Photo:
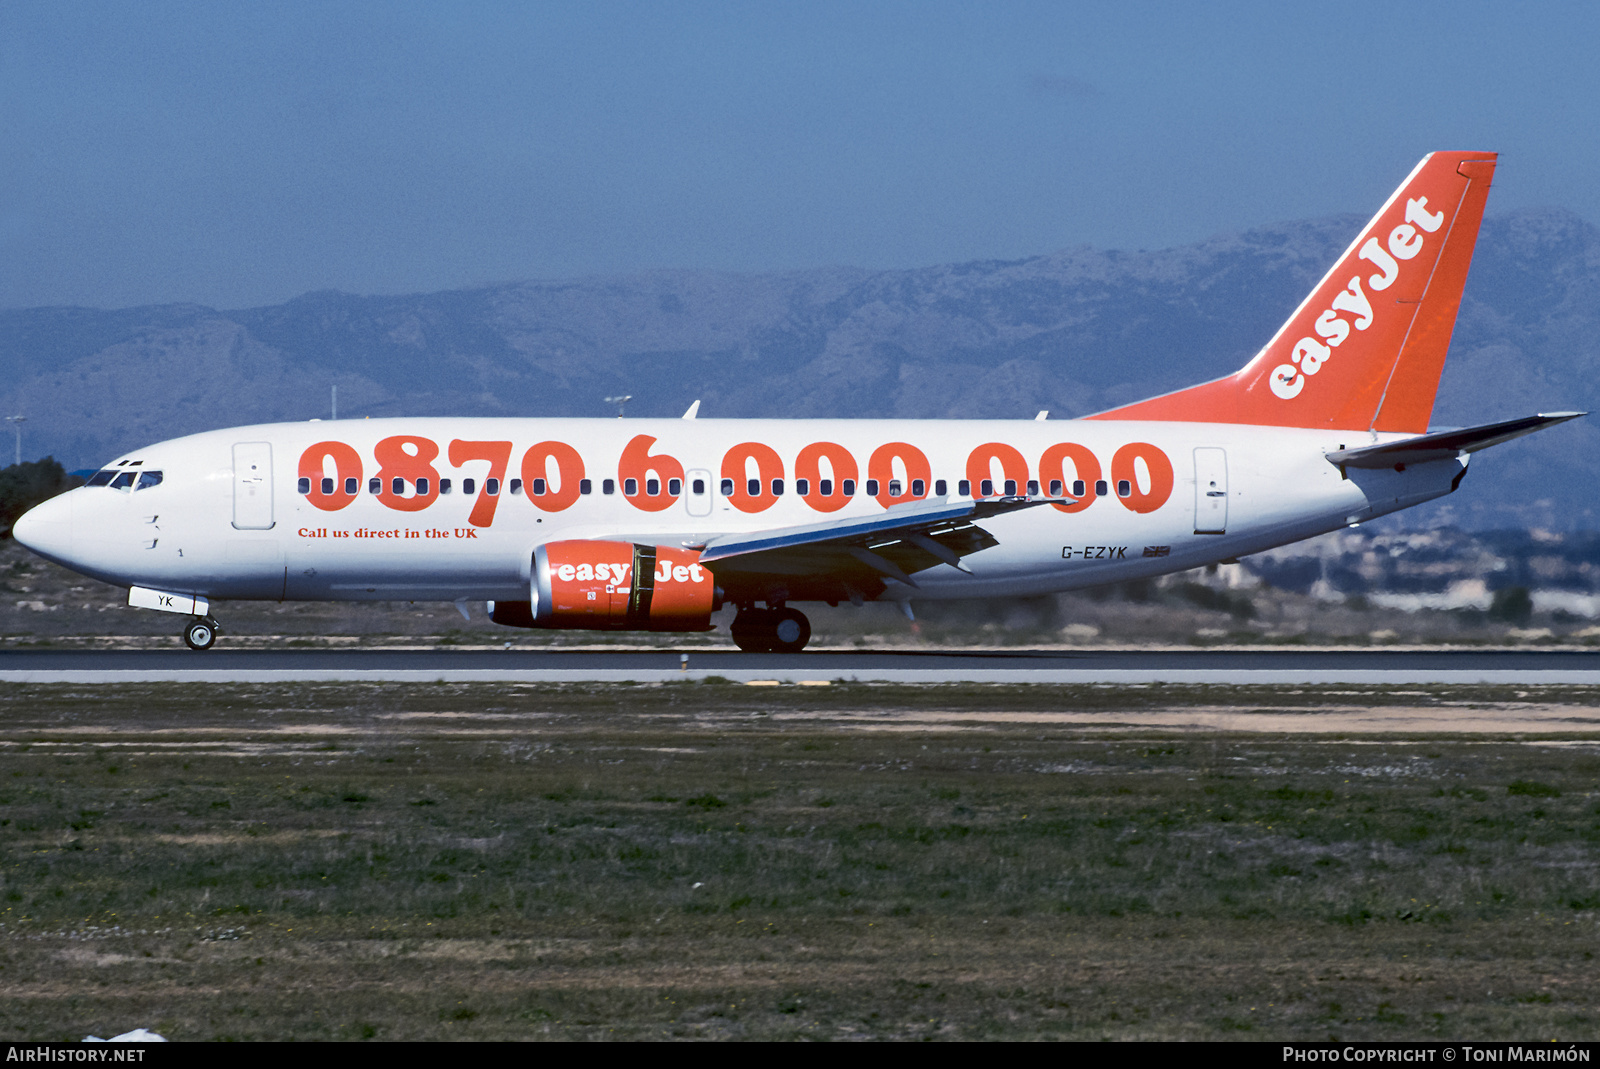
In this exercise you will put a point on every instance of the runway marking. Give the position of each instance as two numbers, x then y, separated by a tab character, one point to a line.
764	676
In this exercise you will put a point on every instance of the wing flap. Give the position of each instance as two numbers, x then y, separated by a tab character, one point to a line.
857	556
924	518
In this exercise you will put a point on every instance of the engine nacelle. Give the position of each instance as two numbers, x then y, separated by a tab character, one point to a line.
615	586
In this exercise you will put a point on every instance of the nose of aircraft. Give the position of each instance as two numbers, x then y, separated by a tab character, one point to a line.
47	529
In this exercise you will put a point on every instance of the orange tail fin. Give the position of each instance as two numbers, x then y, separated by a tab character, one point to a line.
1365	350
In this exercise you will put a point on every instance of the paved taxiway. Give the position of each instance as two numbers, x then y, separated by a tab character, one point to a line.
1468	666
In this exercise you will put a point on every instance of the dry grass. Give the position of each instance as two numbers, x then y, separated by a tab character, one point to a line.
320	862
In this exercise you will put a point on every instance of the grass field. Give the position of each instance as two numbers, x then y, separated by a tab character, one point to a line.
719	861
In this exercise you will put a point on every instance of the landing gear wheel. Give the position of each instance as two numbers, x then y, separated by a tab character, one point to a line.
771	630
752	631
201	633
789	630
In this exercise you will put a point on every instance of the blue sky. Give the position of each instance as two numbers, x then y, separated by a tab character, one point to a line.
239	154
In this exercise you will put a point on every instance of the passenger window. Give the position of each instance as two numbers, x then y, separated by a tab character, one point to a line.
752	487
1124	488
727	488
919	488
444	486
630	488
824	487
802	487
397	486
674	487
698	486
123	481
1100	488
1079	488
986	488
538	487
352	484
304	486
585	486
964	488
516	486
327	487
491	487
872	488
469	486
375	486
652	487
1033	487
1011	488
777	488
940	488
847	487
608	486
422	487
894	487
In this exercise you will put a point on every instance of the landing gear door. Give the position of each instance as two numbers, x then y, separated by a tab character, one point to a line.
252	486
1210	491
697	496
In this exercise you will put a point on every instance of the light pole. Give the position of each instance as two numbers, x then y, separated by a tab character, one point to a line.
619	402
16	425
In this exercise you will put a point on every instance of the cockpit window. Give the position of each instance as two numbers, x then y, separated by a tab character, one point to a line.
101	478
123	481
148	479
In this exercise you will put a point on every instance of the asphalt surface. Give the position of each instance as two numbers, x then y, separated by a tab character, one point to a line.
1016	666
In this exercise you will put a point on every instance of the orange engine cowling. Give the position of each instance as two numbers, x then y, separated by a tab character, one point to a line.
621	586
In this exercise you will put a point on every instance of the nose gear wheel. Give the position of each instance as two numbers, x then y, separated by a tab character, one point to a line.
200	633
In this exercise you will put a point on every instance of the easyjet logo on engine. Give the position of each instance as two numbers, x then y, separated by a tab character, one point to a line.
617	574
753	477
1310	355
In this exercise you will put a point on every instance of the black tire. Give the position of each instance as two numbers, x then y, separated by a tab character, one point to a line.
789	631
200	634
752	630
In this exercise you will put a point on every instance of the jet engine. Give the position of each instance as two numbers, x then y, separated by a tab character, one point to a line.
614	586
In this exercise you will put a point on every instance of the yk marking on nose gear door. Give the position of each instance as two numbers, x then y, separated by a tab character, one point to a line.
252	486
1210	491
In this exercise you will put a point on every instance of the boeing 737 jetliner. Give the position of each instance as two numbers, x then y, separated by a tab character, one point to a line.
609	524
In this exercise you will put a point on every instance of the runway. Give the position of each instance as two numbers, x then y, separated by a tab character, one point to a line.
1113	667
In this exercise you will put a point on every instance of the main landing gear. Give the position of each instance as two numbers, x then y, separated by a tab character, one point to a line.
200	633
782	630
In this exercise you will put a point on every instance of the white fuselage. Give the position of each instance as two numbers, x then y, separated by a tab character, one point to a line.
230	517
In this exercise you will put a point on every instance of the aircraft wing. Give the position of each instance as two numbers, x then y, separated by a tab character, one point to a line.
1442	445
851	558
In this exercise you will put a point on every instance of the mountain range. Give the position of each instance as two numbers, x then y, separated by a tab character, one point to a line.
1074	332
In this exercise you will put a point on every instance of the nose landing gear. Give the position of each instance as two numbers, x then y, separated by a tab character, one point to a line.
771	630
200	633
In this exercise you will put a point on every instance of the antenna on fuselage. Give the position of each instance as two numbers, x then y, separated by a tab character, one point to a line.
619	402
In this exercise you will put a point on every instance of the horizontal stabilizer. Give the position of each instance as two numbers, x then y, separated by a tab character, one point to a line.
1442	445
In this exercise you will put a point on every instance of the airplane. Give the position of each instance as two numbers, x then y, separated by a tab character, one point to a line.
654	524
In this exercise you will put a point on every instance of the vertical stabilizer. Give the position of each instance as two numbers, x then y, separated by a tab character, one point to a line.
1365	350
